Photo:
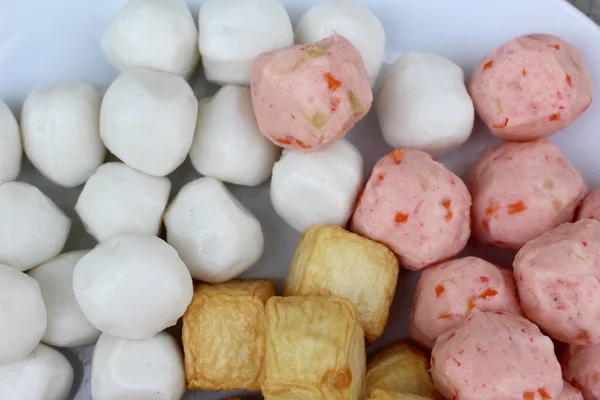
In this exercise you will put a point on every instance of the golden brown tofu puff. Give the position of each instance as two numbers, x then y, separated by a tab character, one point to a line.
329	260
315	349
224	335
378	394
401	367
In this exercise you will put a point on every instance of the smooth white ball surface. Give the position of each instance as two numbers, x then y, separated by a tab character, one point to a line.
228	144
22	315
32	228
214	234
67	326
233	32
10	145
119	199
150	369
319	187
44	374
60	132
147	119
156	34
132	286
350	19
424	105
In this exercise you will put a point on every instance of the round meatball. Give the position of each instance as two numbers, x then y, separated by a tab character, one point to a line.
477	359
147	120
570	393
60	132
590	207
22	315
132	286
11	150
317	188
424	105
156	34
32	228
307	96
558	279
416	207
531	87
520	191
447	292
67	326
581	367
234	32
150	369
352	20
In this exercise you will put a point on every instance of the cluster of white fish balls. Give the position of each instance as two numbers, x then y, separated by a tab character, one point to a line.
133	285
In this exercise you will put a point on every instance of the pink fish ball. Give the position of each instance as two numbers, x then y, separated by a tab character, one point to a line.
416	207
447	292
581	367
531	87
520	191
590	207
496	356
307	96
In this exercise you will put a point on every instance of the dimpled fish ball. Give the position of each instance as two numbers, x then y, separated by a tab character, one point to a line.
424	105
119	199
150	369
215	236
307	96
147	120
227	143
60	132
32	228
45	374
67	326
234	32
317	188
581	367
22	315
11	150
350	19
157	34
132	286
531	87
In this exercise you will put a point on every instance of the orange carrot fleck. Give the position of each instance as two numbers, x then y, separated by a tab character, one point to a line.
397	156
439	289
489	292
380	177
471	303
544	394
556	46
446	316
332	83
456	361
528	395
583	335
286	140
488	64
502	125
555	117
335	101
452	181
293	116
485	225
401	218
569	81
524	72
491	210
446	204
516	208
303	145
484	279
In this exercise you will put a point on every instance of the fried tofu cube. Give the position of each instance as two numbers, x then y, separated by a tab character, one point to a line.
315	349
401	367
329	260
224	335
379	394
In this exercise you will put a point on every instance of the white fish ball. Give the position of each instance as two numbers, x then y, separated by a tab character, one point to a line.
22	315
67	326
319	187
45	374
11	150
216	237
119	199
350	19
228	144
424	105
32	228
60	132
150	369
233	32
147	119
156	34
132	286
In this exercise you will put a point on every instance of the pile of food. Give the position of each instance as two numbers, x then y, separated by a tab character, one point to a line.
478	330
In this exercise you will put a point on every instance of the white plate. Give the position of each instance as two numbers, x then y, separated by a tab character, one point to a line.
42	42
